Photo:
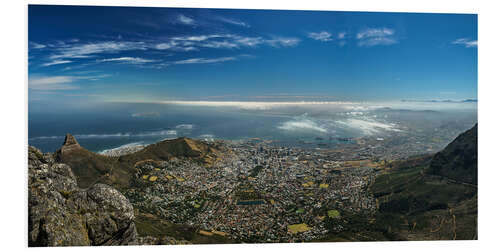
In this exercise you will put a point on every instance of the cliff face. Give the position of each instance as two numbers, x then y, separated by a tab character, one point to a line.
61	214
458	161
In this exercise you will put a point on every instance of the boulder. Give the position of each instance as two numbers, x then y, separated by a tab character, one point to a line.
62	214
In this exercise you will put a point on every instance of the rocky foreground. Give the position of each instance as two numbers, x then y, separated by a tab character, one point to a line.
61	214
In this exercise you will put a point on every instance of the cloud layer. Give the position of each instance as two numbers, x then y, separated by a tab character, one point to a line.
58	82
368	126
302	124
90	53
376	36
253	105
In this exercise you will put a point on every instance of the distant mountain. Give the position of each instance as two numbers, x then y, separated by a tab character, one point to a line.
469	100
90	167
388	109
458	161
449	101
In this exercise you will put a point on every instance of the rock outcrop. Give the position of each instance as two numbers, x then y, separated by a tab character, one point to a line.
70	143
87	166
62	214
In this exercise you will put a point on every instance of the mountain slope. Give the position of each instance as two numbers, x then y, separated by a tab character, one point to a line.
431	201
458	161
90	167
87	166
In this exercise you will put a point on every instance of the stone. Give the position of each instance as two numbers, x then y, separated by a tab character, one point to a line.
62	214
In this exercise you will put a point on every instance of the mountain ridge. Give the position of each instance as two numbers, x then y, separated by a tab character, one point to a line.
90	167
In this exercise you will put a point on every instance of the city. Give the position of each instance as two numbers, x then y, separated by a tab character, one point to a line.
257	192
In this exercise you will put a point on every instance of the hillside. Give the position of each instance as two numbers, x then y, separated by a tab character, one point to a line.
458	161
87	166
90	167
431	200
176	148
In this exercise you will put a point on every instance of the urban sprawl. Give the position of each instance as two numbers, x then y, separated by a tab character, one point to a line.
260	192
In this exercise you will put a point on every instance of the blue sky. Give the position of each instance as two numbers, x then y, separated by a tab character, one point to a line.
134	54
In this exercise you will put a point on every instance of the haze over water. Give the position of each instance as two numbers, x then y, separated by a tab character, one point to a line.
291	124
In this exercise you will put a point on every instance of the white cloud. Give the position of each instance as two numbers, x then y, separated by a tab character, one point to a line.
51	83
377	41
205	60
368	127
376	32
197	38
157	133
90	49
67	52
257	105
132	60
220	45
185	20
63	52
58	82
248	41
376	36
302	124
162	46
184	126
234	22
55	62
283	42
175	46
341	35
321	36
468	43
35	45
224	41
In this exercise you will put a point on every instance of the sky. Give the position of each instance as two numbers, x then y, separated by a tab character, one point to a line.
131	54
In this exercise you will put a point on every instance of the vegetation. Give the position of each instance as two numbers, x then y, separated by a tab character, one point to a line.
458	161
255	171
333	214
298	228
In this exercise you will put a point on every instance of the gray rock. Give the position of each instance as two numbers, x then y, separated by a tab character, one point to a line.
61	214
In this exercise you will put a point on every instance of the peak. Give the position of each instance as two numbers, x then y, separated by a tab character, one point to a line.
186	139
70	140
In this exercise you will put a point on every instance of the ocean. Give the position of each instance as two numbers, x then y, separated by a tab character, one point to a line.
112	125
